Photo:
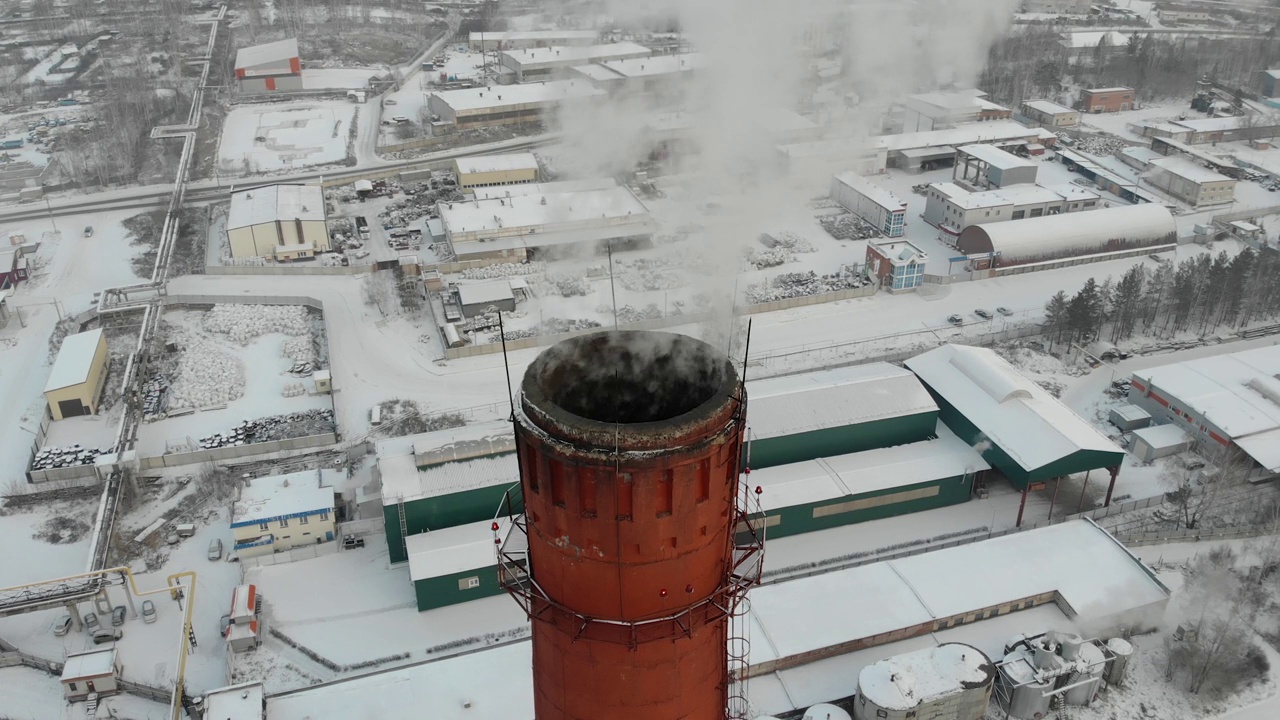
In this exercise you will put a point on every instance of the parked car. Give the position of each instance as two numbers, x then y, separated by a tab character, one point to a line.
955	320
148	611
185	530
62	625
389	101
107	635
90	622
88	231
226	623
360	254
117	616
1004	311
984	314
171	537
215	549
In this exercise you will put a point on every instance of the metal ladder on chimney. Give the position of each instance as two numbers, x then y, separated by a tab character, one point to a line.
404	527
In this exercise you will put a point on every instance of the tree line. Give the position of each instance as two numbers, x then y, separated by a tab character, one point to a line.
1201	294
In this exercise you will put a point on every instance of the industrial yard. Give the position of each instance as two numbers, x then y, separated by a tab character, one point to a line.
352	357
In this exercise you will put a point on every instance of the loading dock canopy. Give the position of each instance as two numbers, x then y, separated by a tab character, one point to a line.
1030	434
833	398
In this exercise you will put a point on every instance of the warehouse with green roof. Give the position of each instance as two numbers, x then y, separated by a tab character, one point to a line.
835	412
1022	430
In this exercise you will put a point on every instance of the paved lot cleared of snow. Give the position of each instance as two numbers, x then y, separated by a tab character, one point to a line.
268	138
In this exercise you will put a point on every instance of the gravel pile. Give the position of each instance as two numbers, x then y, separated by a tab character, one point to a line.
788	240
550	326
206	376
504	270
562	285
773	257
1100	145
243	323
801	284
848	226
276	427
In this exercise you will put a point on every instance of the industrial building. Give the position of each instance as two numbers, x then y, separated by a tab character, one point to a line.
14	267
898	265
870	202
1050	114
75	383
489	170
521	225
1060	236
983	167
857	487
271	67
1072	576
1170	12
1229	403
1191	182
952	681
548	63
1203	131
519	40
937	148
282	222
93	672
443	479
478	297
1157	441
1128	418
1026	433
246	701
942	110
658	74
1270	80
1057	7
951	208
472	108
280	512
795	418
455	564
1111	99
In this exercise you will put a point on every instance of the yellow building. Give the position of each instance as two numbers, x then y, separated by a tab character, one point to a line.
281	512
75	383
283	222
488	170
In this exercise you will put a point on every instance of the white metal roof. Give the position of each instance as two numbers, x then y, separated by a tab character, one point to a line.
1234	392
906	681
597	73
497	163
75	360
1264	448
1050	108
1217	124
576	54
1083	232
453	550
1118	88
1023	194
275	202
1131	412
796	404
237	702
545	188
1071	192
1189	170
871	191
91	664
657	65
276	496
533	35
811	481
551	211
491	98
1162	436
995	157
267	53
480	293
1029	424
401	478
969	133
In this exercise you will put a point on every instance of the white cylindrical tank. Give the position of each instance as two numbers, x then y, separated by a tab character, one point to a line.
1029	701
1122	650
1045	650
823	711
1092	664
1070	645
1025	693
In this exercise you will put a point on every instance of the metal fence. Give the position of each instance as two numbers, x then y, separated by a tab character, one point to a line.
1196	535
288	269
303	552
236	451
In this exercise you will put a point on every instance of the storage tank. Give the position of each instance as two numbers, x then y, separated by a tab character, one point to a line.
1121	651
1025	694
628	447
1092	664
824	711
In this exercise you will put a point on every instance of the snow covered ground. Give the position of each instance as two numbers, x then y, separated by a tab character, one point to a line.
285	136
336	78
1118	123
32	694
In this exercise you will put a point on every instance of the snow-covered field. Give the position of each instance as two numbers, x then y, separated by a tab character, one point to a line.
336	78
32	694
288	136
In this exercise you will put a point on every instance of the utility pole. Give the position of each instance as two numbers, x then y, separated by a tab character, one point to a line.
49	208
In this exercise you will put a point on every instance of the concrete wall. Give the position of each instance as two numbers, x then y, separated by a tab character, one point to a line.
500	177
236	451
301	552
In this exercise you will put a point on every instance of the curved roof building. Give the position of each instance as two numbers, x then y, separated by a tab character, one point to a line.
1069	235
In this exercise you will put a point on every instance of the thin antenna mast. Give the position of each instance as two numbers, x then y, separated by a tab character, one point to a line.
506	367
613	290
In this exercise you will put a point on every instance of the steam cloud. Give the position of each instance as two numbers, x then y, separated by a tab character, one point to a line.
762	56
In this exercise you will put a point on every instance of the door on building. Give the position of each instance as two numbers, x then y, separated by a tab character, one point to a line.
89	685
72	408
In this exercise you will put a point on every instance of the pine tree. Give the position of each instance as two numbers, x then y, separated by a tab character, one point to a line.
1127	303
1055	317
1084	312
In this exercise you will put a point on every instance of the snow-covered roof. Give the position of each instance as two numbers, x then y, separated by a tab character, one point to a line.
1188	170
91	664
402	480
995	157
244	601
575	54
480	293
931	674
75	360
497	163
597	73
453	550
1047	107
1118	88
1027	423
1023	194
546	188
1162	436
1238	393
1141	154
898	252
490	98
1274	73
796	404
1053	235
656	65
1245	226
267	53
1217	124
940	104
550	211
460	443
275	202
1131	412
1264	448
237	702
1071	192
946	456
281	496
987	132
871	191
533	35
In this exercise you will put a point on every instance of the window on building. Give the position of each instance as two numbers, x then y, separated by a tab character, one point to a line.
71	686
1018	214
264	526
284	522
882	713
324	516
1037	212
302	520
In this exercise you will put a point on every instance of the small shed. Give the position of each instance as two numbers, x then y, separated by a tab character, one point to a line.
324	381
1129	417
96	671
1159	441
477	298
246	701
242	636
244	604
75	383
455	564
364	188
